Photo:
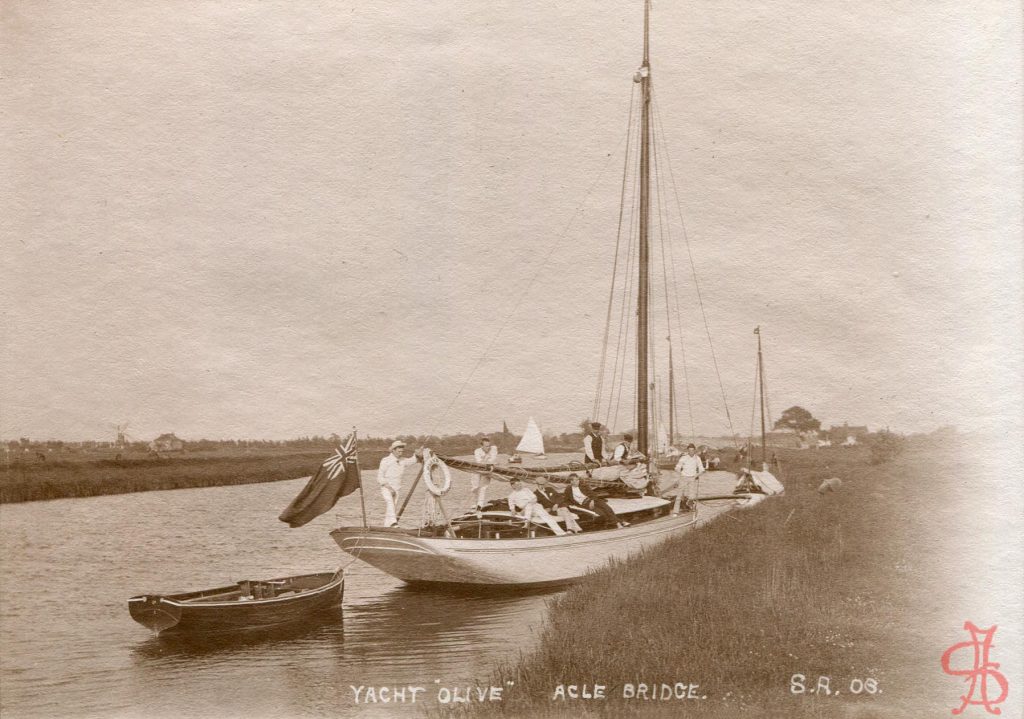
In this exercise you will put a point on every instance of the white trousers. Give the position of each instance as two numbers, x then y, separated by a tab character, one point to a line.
570	519
537	513
390	495
478	483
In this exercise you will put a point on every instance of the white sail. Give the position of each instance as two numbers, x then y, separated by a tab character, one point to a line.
532	441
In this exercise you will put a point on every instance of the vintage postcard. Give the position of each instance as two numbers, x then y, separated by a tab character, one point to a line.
515	359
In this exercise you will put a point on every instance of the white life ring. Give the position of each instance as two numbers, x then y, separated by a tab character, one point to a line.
429	462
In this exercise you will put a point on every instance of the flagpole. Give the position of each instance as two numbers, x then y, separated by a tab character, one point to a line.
359	471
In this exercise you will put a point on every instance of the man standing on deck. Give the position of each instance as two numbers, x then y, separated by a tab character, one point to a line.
487	454
389	476
593	445
689	467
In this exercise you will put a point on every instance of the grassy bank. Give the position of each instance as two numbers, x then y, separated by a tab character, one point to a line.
849	585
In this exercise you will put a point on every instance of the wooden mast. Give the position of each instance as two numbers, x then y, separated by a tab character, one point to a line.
671	399
643	291
760	380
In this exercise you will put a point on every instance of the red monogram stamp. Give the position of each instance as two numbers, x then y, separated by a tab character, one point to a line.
980	672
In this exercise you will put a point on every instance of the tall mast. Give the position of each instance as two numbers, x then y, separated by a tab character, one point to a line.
760	380
643	292
671	399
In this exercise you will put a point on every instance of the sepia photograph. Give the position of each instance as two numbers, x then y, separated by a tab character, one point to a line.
366	360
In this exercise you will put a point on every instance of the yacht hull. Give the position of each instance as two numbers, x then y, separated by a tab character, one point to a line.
520	562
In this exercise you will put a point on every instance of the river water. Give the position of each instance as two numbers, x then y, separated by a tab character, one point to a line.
70	649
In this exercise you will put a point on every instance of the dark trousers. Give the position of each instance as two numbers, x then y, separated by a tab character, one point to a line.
596	504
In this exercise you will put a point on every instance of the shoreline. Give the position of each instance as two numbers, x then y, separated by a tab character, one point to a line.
807	605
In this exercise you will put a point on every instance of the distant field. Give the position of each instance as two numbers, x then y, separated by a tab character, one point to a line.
88	474
83	476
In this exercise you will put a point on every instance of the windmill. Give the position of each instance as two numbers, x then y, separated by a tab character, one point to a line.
122	440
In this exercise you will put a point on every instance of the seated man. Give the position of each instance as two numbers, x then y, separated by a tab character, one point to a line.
522	502
583	498
556	502
623	453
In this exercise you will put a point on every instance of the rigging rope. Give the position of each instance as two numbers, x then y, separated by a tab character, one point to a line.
675	293
615	265
615	394
693	269
529	285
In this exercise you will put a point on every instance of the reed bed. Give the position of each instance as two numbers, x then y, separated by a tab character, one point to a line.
807	583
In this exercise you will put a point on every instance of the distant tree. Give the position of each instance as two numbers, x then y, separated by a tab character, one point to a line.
798	419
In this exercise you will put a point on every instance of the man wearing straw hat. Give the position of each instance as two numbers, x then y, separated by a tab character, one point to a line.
389	476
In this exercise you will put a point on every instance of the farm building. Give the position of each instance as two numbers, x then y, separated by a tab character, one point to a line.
847	435
167	443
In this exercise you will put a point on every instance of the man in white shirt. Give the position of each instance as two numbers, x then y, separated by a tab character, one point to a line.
593	444
689	468
623	450
389	476
522	502
486	453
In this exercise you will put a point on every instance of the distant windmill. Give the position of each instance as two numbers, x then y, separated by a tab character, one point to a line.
121	439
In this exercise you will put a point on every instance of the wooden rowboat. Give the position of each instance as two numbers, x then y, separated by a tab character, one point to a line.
249	604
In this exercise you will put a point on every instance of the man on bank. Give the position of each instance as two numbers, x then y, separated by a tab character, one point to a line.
487	454
689	468
389	476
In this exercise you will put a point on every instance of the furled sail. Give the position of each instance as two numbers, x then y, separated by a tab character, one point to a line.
532	441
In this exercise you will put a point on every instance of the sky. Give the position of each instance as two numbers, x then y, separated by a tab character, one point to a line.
277	219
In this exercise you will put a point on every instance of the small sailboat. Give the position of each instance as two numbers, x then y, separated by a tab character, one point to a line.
532	441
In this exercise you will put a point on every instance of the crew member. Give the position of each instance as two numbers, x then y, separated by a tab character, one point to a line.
623	450
689	468
487	454
557	502
389	476
582	497
593	445
522	502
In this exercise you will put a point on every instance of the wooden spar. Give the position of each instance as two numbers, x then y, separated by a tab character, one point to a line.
359	471
411	490
643	290
760	380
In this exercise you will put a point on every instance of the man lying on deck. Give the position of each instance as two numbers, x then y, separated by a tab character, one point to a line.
522	502
583	498
556	502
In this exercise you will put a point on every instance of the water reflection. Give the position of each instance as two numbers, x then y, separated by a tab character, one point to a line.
324	627
98	662
407	624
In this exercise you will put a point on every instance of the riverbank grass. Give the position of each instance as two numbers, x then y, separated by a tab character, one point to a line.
750	612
